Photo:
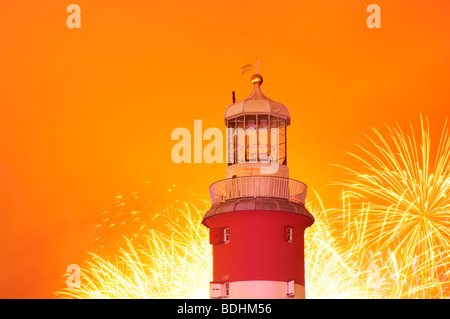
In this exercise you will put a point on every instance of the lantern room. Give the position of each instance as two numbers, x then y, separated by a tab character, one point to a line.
256	134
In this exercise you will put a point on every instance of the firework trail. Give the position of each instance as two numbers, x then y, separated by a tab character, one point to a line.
330	270
395	212
176	263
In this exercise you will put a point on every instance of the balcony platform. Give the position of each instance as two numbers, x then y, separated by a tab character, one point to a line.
258	186
262	193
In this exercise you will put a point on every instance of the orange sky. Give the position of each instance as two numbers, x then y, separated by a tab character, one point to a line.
87	114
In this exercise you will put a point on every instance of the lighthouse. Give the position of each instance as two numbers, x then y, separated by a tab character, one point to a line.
257	217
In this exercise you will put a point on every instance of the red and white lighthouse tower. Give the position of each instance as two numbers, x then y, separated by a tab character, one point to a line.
258	216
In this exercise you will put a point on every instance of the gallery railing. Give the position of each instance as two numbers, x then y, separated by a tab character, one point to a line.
258	186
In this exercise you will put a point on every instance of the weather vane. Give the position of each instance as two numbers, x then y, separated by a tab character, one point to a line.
249	66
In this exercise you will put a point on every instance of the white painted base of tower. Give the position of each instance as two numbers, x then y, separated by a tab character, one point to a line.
262	289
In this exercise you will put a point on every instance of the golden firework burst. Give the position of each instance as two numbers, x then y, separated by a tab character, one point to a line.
397	208
175	263
390	238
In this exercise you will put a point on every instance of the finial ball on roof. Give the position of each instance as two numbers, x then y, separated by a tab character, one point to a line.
257	79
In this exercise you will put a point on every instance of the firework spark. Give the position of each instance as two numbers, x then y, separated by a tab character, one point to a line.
330	271
396	211
172	264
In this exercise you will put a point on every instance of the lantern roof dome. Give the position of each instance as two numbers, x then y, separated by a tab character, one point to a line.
257	103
